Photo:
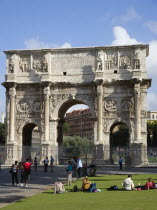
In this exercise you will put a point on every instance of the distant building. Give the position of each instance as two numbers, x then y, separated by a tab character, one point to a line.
81	123
151	115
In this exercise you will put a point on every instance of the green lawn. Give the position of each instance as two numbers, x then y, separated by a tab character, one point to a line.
146	199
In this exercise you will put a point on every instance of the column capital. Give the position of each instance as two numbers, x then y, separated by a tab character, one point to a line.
12	92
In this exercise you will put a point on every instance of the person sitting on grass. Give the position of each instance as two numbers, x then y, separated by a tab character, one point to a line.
149	185
86	184
128	183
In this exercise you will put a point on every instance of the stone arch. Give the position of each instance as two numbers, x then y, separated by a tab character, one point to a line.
27	122
65	104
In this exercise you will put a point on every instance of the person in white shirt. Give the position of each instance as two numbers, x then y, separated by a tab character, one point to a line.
79	167
128	183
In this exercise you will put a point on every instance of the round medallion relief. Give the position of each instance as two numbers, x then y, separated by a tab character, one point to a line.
111	105
126	104
37	106
23	106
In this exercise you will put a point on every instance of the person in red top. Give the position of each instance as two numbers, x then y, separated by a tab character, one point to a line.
150	184
27	170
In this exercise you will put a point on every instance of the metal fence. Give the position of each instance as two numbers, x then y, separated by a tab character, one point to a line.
86	155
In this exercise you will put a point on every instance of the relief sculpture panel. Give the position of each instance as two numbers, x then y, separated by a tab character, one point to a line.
24	64
126	104
110	105
23	106
125	61
111	60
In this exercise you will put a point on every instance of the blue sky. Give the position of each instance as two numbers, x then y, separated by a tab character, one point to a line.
79	23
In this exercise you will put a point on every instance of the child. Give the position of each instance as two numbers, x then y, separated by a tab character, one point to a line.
69	171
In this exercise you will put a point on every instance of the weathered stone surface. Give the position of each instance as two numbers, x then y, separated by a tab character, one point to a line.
42	84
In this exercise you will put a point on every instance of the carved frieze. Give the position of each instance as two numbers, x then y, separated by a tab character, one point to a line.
40	63
24	64
125	61
23	106
110	105
126	104
111	61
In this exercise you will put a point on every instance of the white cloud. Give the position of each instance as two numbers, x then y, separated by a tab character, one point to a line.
122	37
35	43
152	25
152	60
130	15
152	101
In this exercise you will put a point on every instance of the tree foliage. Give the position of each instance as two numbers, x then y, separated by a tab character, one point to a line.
2	133
66	127
152	133
76	146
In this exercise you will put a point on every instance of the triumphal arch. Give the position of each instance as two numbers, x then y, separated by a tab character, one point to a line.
42	84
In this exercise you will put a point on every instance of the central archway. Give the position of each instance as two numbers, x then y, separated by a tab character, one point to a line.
79	121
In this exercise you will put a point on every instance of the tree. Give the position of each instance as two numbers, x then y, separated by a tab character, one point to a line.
66	127
2	133
76	145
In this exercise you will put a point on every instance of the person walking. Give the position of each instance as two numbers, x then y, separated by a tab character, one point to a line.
14	174
35	163
46	162
120	162
27	171
51	163
79	167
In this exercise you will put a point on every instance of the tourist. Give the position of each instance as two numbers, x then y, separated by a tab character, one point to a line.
128	183
120	162
51	163
86	184
69	171
35	163
27	170
79	167
149	185
21	168
14	174
46	161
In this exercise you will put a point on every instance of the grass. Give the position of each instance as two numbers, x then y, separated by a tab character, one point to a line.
134	200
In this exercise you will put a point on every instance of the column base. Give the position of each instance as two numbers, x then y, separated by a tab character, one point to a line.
101	154
138	155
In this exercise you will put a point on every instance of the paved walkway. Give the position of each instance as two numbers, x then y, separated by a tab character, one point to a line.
41	181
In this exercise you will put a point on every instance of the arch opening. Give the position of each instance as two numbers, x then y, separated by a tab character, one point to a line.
75	130
31	145
119	141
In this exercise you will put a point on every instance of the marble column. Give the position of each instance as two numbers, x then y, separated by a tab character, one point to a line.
100	111
46	117
12	94
137	94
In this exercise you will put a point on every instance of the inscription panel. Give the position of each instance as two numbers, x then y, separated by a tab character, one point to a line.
64	62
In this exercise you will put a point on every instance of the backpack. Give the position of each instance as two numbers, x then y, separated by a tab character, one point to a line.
75	188
113	188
